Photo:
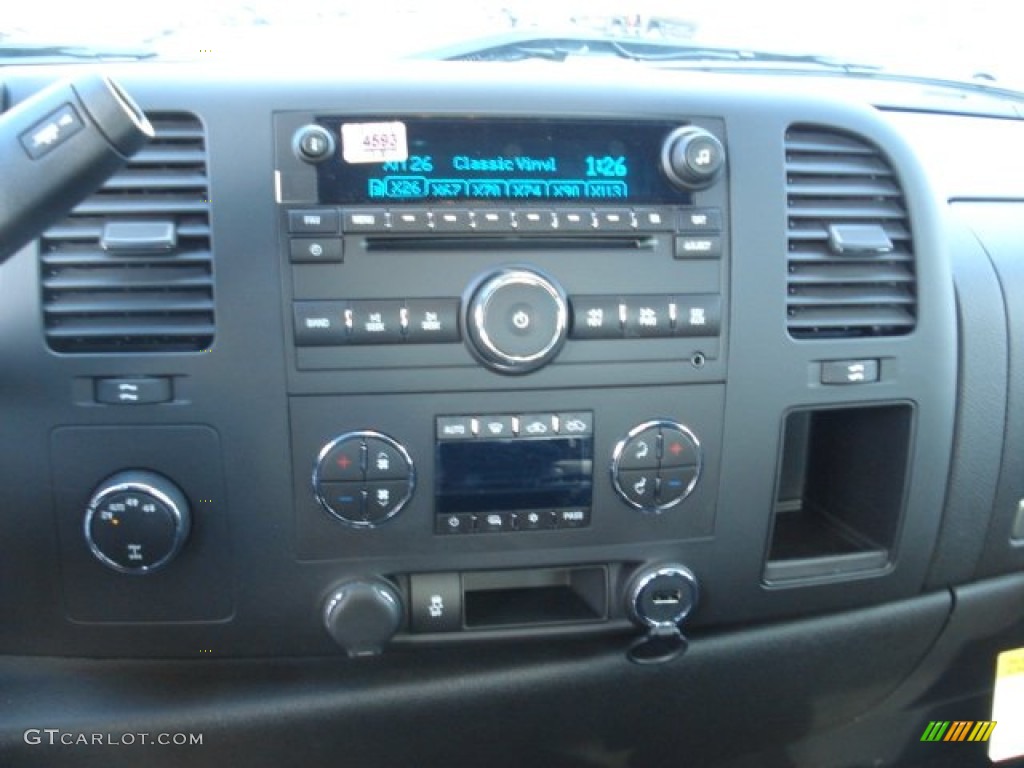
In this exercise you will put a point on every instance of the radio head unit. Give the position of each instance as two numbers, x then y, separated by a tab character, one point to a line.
502	245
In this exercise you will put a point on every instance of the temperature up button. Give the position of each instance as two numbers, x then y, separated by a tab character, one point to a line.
137	521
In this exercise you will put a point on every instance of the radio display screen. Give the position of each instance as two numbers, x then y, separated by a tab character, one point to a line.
514	474
389	161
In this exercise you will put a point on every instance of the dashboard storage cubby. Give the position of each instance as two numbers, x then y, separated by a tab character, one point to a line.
840	492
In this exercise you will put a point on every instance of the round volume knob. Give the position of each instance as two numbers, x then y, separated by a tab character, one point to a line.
692	157
517	320
137	521
313	143
362	615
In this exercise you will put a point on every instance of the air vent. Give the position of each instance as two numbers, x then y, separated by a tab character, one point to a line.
851	259
130	269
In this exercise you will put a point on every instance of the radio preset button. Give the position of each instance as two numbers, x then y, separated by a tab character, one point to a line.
319	323
313	250
648	316
654	219
493	220
315	221
410	220
536	220
576	220
451	220
614	220
596	317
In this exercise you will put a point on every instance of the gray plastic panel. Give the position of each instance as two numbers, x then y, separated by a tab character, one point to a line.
981	407
999	228
285	554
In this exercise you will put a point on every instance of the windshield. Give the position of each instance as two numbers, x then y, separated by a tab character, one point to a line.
947	39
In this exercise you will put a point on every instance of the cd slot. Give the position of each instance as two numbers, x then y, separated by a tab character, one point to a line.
475	243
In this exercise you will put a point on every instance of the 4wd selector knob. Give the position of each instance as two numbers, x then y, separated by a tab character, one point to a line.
137	521
517	320
692	157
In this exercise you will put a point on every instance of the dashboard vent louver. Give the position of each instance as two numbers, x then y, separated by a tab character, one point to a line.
131	268
851	258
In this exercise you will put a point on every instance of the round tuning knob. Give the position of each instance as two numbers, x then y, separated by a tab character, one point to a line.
137	521
362	615
692	157
517	320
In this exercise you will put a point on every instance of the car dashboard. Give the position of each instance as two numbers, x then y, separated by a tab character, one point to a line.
453	413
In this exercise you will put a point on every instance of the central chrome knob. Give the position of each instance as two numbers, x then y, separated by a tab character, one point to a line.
517	320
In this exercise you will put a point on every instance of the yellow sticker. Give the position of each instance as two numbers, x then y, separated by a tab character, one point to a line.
1007	741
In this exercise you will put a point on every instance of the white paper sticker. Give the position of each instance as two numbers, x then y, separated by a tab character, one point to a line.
374	142
1007	739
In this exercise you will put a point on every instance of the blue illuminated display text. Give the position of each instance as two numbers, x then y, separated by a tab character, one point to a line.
497	160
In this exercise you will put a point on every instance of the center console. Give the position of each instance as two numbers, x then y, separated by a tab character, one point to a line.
412	367
508	335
